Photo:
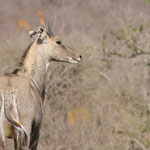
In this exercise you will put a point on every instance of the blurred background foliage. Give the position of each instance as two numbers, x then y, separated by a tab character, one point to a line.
102	103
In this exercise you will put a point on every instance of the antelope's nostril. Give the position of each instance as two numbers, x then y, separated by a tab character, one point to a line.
80	57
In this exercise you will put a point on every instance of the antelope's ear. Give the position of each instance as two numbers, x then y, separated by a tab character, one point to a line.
32	35
41	29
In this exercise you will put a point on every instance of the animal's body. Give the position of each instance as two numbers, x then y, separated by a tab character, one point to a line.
21	92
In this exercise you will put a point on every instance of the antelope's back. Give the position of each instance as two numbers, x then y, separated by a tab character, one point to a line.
27	98
14	84
16	88
19	87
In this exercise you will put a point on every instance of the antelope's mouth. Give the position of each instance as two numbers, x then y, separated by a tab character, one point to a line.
76	60
69	60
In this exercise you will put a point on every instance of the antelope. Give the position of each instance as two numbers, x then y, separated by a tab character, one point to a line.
21	92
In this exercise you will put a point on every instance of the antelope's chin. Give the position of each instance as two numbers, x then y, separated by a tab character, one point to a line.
73	61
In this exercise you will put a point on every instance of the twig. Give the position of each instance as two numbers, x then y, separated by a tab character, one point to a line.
139	143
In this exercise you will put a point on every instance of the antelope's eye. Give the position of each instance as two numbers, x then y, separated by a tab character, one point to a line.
58	42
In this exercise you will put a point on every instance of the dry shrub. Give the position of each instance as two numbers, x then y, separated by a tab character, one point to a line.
101	103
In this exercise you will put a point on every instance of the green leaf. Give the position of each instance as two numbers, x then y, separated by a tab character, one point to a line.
147	1
141	27
134	38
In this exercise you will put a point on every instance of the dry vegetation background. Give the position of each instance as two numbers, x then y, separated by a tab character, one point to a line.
102	103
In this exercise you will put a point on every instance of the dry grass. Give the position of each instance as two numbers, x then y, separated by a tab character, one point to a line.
103	102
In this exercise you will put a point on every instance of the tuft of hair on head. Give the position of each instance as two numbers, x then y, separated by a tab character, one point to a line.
49	31
42	23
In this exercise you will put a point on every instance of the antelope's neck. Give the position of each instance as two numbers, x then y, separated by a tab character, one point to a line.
34	67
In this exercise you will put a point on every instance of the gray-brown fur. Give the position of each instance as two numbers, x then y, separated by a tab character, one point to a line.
21	103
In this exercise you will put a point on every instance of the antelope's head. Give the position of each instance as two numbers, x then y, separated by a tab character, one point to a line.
53	47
